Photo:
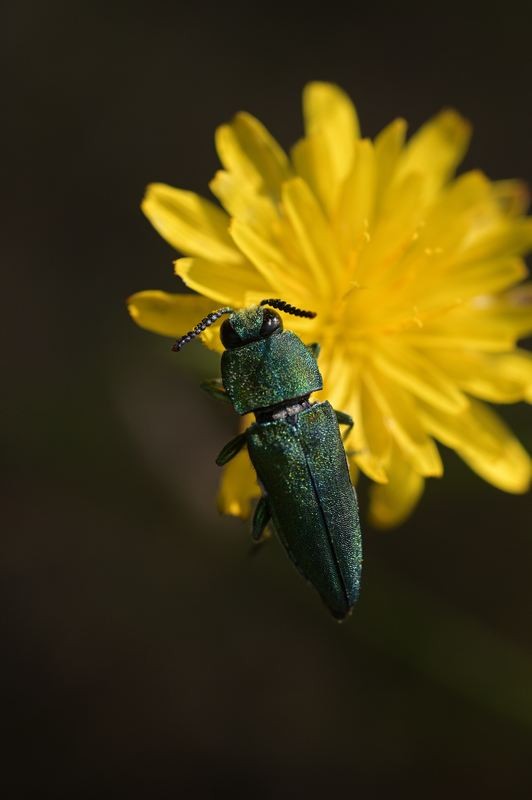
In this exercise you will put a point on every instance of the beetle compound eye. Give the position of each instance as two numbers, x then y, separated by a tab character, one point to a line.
228	335
271	322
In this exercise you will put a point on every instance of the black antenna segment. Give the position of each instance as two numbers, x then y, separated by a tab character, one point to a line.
283	306
206	322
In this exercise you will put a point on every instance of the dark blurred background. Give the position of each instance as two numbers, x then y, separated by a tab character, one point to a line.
145	652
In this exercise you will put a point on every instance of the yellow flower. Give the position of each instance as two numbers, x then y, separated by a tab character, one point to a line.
413	272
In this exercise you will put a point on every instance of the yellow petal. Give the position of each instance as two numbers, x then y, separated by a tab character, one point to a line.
357	444
340	376
486	323
497	378
471	220
511	237
328	110
312	161
392	503
376	431
442	288
355	212
339	371
401	417
289	279
512	197
421	295
238	487
247	150
484	442
190	223
226	284
436	150
393	232
415	373
463	213
388	146
314	237
168	314
243	203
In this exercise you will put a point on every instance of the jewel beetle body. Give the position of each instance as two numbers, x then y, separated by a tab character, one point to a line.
294	445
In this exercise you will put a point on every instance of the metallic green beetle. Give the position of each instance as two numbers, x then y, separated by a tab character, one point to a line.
294	445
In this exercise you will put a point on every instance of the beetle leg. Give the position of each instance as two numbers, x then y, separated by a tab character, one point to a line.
215	388
231	449
314	349
344	419
261	517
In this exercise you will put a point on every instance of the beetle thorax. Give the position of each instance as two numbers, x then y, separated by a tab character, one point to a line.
268	372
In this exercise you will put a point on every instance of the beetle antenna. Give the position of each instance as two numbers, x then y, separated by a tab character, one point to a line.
206	322
283	306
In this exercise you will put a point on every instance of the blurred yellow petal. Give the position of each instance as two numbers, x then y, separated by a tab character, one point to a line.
470	280
415	373
425	302
355	212
487	323
357	444
436	150
312	160
189	223
497	378
242	203
337	377
512	197
388	146
392	234
284	276
401	417
457	217
226	284
247	150
466	225
168	314
314	237
392	503
238	487
174	315
328	110
377	432
485	443
510	237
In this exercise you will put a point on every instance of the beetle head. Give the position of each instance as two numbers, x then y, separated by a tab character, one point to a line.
245	326
249	325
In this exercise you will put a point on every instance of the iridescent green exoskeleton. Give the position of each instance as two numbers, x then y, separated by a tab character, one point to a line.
294	445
